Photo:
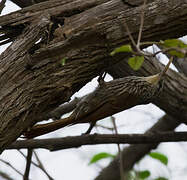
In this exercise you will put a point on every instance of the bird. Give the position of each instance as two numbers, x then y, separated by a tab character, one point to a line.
107	99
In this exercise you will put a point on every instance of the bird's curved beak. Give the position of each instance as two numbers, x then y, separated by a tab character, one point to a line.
156	78
153	79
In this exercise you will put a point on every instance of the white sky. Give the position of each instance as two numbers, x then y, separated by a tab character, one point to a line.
72	164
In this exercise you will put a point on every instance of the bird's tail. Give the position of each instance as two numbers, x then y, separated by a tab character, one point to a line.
42	129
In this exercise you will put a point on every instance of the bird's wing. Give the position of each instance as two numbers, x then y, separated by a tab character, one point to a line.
93	108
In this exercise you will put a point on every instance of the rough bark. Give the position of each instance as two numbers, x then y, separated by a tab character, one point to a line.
94	23
181	65
139	150
25	3
16	95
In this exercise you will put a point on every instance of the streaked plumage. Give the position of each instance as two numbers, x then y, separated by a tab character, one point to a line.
108	98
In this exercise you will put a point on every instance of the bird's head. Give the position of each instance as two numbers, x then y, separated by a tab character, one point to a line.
155	79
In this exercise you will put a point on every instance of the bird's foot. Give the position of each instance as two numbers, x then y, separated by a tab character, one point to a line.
92	124
101	78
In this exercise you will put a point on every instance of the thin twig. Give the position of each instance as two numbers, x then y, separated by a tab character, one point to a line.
165	68
28	164
42	166
106	127
12	167
44	171
137	46
149	43
122	177
141	24
165	50
26	158
129	33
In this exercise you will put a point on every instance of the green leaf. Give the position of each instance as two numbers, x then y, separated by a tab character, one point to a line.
100	156
176	53
173	43
124	48
144	174
63	61
161	178
136	62
161	157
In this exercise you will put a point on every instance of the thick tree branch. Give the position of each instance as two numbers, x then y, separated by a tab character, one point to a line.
159	30
55	144
181	65
51	84
17	53
25	3
68	8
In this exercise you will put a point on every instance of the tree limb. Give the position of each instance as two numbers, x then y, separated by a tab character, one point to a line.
26	3
17	52
181	65
54	144
51	84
